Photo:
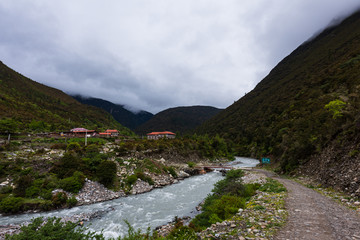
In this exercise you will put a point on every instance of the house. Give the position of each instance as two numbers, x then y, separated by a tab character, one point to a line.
81	132
109	133
113	133
157	135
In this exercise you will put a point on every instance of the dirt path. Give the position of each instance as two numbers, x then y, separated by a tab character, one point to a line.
313	216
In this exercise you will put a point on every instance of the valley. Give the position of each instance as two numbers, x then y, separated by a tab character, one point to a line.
95	163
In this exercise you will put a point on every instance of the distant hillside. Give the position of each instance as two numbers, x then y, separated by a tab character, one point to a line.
179	119
34	106
122	115
306	111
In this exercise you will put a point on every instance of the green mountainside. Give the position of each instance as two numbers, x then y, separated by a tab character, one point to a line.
179	119
308	103
119	112
28	105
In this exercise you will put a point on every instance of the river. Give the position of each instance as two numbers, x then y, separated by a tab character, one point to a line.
151	209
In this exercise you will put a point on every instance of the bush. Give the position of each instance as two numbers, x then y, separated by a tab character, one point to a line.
171	170
145	178
6	189
74	183
59	199
191	164
54	228
67	165
183	232
32	191
21	185
106	172
46	205
74	146
71	202
130	180
228	196
11	204
272	186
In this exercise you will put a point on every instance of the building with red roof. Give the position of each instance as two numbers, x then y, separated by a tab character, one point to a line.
157	135
110	133
81	132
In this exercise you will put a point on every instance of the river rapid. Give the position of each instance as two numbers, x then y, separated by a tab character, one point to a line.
151	209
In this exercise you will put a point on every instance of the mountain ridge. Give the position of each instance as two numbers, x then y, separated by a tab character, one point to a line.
306	105
124	116
182	119
27	104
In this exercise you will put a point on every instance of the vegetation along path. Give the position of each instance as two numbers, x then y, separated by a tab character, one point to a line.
313	216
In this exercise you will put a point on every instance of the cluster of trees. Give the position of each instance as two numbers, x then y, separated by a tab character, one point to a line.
15	125
205	146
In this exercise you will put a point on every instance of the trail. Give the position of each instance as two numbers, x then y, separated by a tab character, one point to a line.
313	216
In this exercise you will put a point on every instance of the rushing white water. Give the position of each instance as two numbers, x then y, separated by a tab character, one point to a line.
150	209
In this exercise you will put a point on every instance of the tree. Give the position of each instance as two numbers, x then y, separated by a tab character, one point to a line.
8	125
336	108
106	172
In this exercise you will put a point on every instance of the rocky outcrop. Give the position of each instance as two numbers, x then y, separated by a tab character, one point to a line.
336	167
93	192
141	187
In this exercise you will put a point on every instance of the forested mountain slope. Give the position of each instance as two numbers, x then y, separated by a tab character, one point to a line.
179	119
119	112
28	105
306	111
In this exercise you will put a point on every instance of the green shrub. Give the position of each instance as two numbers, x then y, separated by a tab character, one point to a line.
336	108
272	186
171	170
191	164
74	183
59	199
228	196
67	165
145	178
74	146
130	180
183	232
71	202
32	191
106	172
46	194
133	234
21	185
92	148
6	189
11	204
46	205
54	228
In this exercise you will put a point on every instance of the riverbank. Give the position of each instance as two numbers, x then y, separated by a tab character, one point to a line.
218	229
263	216
176	201
94	192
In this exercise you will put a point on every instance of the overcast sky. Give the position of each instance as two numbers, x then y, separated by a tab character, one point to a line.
156	54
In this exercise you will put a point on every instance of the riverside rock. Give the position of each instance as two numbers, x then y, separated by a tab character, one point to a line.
141	187
93	192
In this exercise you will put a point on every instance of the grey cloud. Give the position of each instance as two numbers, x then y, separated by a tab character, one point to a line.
156	54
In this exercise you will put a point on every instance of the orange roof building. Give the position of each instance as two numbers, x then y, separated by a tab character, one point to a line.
110	133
